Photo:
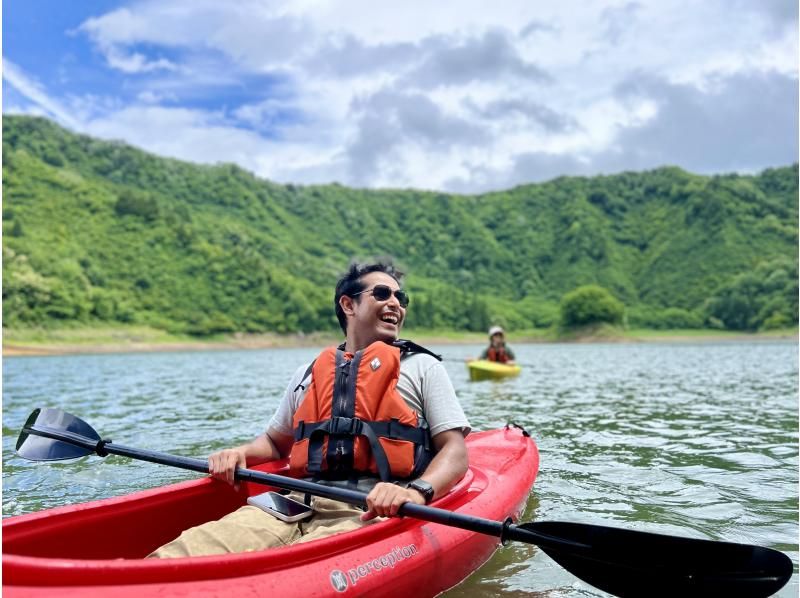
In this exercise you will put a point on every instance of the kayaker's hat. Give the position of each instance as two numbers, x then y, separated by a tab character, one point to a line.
495	330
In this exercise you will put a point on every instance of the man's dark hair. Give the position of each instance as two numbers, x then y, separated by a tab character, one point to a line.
350	284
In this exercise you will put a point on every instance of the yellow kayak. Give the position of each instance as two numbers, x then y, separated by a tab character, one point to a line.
481	369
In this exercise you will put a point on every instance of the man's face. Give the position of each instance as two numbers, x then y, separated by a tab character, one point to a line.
374	320
497	339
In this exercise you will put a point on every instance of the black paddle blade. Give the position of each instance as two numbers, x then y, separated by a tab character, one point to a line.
34	447
633	563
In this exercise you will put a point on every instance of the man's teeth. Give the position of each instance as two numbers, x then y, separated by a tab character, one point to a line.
390	319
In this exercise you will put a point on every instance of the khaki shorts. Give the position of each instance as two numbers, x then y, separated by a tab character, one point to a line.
249	528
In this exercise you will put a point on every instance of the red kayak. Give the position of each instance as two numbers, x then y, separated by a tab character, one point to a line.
97	548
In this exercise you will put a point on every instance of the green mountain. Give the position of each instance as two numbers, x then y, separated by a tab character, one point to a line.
99	232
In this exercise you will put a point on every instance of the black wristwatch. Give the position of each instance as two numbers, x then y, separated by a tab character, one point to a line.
424	488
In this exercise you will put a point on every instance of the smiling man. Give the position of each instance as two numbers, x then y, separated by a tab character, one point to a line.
375	413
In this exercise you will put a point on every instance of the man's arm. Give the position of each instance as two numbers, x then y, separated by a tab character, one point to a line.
450	463
266	447
269	446
447	468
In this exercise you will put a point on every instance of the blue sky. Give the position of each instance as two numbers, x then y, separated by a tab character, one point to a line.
462	96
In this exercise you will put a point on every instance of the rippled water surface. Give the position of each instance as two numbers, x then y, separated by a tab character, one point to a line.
697	440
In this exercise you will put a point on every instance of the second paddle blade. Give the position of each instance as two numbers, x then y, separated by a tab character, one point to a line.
633	563
39	448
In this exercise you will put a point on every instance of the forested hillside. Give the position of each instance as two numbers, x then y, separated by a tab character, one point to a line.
99	232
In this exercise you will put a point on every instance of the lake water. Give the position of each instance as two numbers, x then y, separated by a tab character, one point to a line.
698	440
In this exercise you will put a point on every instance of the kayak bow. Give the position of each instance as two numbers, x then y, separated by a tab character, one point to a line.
482	369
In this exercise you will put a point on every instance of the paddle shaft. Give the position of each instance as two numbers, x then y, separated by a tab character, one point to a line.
503	530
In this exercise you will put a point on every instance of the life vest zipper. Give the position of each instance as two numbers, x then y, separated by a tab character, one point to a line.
345	371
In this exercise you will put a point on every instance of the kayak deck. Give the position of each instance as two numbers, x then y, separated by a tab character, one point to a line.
97	548
483	369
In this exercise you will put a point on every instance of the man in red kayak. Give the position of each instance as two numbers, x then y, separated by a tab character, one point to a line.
498	350
376	414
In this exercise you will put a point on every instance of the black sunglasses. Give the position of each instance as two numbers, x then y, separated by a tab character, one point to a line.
382	293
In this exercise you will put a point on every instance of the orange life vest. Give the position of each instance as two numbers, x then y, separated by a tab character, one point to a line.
499	355
352	421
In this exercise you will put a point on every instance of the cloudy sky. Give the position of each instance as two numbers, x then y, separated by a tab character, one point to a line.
463	96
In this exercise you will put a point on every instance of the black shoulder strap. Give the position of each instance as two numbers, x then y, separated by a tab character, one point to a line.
305	376
407	346
308	371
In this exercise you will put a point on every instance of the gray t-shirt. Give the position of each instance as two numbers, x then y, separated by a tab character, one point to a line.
423	384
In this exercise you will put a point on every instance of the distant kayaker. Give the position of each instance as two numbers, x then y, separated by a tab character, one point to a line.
399	431
498	350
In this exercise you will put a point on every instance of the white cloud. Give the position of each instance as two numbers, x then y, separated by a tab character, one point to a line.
150	96
252	35
193	135
34	92
136	62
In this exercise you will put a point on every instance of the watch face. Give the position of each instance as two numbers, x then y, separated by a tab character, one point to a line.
424	487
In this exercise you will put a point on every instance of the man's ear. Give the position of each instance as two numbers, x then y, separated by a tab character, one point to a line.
347	304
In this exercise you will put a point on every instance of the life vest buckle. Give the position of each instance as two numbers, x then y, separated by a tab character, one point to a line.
345	425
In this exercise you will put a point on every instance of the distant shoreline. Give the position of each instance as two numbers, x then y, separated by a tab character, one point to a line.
144	340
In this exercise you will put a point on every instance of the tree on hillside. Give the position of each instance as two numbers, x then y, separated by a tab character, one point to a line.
135	203
590	304
763	298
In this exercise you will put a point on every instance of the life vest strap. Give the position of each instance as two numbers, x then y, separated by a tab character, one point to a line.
407	346
396	431
349	427
392	429
371	430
